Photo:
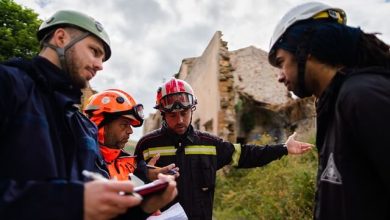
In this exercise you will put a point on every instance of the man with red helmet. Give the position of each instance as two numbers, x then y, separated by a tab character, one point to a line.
198	154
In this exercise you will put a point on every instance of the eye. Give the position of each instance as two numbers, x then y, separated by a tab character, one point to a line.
279	62
94	51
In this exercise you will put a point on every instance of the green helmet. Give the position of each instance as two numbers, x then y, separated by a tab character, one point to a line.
83	21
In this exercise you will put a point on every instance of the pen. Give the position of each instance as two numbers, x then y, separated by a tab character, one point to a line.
98	176
171	172
93	175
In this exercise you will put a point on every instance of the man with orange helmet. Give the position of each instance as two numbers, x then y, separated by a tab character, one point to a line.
348	71
198	154
115	113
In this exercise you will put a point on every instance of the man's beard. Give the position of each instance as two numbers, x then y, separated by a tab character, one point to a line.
73	68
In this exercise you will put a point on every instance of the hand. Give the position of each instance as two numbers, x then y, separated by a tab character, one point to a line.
102	199
155	202
297	147
153	173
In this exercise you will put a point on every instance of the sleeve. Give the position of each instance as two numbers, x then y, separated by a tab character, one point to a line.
365	111
257	156
41	200
134	213
247	156
31	199
7	100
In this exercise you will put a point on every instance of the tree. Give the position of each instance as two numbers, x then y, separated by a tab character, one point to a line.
18	27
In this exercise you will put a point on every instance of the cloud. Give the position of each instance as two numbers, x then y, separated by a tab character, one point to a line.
150	38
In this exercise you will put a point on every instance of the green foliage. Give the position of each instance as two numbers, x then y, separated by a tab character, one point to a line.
283	189
18	27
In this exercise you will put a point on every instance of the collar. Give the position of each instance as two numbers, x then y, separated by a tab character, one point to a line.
56	80
189	135
109	154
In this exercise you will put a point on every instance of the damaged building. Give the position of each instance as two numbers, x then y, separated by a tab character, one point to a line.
239	97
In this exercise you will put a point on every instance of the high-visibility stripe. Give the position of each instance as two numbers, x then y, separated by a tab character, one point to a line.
200	149
171	151
163	151
236	155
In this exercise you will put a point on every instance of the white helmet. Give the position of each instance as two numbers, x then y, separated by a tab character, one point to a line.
315	10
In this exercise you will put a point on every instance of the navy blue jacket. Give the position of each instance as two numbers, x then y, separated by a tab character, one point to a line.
45	144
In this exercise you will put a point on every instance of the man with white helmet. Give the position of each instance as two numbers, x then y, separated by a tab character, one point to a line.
199	154
46	141
348	71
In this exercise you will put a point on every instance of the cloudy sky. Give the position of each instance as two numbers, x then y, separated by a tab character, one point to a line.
150	38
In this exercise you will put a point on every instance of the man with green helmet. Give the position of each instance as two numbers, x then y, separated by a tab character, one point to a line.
47	143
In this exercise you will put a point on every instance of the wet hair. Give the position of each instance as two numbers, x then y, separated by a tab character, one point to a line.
336	44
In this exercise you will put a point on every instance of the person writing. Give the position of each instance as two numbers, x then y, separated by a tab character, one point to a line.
199	154
47	142
348	72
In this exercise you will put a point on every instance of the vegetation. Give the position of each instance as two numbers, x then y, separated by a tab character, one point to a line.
18	27
283	189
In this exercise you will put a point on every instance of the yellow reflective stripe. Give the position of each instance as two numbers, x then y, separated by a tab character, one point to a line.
236	155
200	149
163	151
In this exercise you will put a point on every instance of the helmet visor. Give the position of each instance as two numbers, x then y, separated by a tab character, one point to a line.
177	102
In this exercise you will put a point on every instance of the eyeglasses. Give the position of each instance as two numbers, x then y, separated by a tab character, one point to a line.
176	102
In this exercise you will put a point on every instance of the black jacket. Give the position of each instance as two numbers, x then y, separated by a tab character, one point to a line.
45	143
353	118
199	155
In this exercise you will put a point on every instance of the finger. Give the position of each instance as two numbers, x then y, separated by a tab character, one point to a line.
154	159
167	168
119	186
168	178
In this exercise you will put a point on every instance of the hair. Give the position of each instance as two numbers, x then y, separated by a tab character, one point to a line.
372	51
336	44
72	30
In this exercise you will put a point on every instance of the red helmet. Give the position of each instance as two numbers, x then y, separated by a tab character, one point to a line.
175	95
112	103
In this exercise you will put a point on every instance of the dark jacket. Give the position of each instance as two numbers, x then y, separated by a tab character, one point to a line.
353	118
199	155
45	143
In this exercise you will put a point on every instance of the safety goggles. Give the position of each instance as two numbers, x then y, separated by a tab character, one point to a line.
177	102
136	115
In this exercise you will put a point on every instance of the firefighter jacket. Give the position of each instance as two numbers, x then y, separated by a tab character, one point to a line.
45	143
353	118
199	155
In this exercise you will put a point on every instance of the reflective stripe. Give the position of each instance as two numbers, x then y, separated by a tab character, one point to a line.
236	155
200	149
163	151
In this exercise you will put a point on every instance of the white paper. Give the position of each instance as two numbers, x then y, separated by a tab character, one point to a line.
175	212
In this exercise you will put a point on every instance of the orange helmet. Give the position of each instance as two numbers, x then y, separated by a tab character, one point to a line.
175	95
110	104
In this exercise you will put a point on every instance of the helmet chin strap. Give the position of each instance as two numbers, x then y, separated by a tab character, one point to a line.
61	51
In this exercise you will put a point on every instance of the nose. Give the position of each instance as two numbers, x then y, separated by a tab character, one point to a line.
98	64
129	130
281	76
180	118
